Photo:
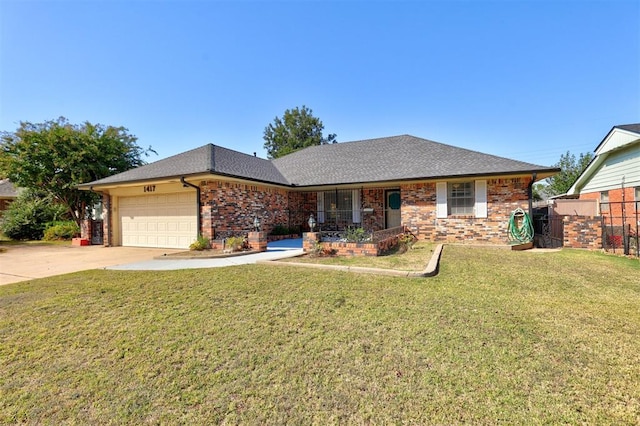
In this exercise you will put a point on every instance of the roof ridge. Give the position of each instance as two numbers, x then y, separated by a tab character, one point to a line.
211	158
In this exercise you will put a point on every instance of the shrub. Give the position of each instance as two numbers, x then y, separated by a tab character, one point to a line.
202	243
316	249
65	230
280	230
235	243
406	241
27	217
356	235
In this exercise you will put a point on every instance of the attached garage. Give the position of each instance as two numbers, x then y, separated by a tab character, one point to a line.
162	220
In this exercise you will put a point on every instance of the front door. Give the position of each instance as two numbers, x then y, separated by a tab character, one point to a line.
392	208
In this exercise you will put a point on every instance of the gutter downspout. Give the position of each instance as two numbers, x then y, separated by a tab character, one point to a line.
197	188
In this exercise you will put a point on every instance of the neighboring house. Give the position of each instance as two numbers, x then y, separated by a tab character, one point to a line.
8	193
613	176
440	192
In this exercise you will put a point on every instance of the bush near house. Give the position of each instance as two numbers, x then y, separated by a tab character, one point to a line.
202	243
65	230
28	216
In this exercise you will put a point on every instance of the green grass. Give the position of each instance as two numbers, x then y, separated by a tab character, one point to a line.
415	259
9	242
497	337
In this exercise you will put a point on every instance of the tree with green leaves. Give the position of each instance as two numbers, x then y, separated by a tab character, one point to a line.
28	216
54	157
297	129
571	168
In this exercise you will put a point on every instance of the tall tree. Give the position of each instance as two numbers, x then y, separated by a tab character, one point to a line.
55	156
297	129
571	168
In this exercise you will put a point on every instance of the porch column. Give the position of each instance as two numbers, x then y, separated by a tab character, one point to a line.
258	241
309	239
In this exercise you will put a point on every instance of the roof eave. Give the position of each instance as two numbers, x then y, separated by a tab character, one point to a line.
91	186
540	174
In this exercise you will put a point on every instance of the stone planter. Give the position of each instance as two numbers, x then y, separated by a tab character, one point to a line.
341	248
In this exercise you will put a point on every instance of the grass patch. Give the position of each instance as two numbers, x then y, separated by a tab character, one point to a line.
413	260
9	242
496	337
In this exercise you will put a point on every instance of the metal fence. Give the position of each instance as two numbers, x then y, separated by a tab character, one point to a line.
548	229
621	226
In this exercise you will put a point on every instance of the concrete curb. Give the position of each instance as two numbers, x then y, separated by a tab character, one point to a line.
212	256
431	269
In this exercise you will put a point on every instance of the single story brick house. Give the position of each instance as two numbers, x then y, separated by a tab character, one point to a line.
440	192
613	176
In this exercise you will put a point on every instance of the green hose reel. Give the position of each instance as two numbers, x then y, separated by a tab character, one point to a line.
520	227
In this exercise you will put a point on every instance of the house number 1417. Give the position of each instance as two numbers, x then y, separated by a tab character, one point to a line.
149	188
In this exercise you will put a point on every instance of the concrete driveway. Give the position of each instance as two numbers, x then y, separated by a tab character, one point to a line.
28	261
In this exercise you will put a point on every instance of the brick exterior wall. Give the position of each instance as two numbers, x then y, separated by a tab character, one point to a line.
373	198
615	213
301	206
503	197
229	208
582	232
108	218
85	229
257	241
349	249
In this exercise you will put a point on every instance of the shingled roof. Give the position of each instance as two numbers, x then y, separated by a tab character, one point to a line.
206	159
635	128
394	158
402	157
8	189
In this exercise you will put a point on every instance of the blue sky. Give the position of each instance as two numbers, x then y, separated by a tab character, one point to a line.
527	80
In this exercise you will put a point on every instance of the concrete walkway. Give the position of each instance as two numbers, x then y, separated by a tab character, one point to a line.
21	263
275	250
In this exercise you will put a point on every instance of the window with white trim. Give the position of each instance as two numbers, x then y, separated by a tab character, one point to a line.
460	198
466	198
340	205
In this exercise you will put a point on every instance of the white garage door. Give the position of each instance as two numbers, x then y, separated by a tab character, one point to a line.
165	220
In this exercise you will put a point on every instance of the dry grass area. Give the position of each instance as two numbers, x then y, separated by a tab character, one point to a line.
497	337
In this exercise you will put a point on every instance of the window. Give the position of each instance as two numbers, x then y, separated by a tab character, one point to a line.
340	205
460	198
637	193
604	202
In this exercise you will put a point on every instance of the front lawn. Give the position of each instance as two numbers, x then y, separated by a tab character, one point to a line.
497	337
415	259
